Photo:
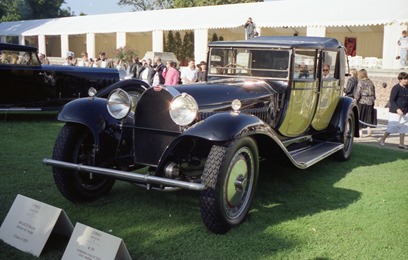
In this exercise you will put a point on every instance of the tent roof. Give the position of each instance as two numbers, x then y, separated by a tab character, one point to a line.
279	13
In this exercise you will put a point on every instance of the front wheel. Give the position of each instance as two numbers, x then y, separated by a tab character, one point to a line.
347	138
230	176
75	144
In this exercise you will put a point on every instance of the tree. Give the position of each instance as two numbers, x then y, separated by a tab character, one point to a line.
188	46
8	11
13	10
144	5
178	43
193	3
214	37
170	44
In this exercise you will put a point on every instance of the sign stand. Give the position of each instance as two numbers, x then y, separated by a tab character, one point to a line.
29	224
90	243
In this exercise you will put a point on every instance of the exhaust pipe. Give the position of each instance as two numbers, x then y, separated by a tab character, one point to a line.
127	176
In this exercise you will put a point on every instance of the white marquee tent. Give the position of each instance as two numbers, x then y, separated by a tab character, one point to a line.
317	16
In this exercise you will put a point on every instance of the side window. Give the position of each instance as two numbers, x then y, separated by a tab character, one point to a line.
27	58
304	67
329	70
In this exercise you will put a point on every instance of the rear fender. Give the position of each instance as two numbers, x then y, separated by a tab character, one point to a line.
339	119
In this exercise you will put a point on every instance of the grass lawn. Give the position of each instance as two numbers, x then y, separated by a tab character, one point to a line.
334	210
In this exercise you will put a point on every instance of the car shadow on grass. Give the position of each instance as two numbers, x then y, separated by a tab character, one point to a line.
168	225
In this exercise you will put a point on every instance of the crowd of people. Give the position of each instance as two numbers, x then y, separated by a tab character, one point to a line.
156	73
362	89
153	72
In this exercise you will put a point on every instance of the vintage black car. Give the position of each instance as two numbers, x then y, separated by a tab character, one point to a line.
29	86
257	103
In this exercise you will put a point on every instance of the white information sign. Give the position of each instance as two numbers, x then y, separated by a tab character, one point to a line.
29	223
91	244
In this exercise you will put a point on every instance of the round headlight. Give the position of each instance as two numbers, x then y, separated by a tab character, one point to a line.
119	103
236	104
183	109
91	91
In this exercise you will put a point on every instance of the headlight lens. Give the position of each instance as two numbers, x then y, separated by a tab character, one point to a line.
236	104
183	109
119	103
92	91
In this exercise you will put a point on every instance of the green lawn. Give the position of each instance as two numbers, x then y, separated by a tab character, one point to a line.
334	210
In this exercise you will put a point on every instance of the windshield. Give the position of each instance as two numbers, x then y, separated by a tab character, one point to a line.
243	62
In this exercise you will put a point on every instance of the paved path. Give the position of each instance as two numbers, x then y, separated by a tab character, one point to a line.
391	142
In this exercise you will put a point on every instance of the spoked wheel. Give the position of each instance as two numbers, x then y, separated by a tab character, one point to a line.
230	175
75	144
347	138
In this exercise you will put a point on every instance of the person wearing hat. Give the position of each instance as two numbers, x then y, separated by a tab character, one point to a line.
403	43
249	29
202	74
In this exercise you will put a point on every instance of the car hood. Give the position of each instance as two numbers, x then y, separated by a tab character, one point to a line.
218	93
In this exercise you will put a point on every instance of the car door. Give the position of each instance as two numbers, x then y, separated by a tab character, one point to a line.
330	89
303	97
24	83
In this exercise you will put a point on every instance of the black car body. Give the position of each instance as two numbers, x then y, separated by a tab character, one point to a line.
29	86
210	136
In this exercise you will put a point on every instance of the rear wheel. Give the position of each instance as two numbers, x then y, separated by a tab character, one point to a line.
75	144
230	175
347	138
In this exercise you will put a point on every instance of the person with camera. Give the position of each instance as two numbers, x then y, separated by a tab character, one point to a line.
250	29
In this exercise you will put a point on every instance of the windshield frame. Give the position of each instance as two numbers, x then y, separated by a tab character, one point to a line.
244	62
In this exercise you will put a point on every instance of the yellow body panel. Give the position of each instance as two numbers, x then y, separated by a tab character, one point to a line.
329	97
301	107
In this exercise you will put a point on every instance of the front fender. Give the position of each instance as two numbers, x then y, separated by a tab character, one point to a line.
220	127
90	112
225	126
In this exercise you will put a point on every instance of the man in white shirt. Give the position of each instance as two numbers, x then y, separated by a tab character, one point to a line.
403	43
189	74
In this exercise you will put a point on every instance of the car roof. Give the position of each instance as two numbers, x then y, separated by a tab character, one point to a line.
16	47
283	42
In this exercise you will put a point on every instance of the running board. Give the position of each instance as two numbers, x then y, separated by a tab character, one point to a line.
306	157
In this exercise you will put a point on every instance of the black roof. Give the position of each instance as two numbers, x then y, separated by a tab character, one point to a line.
284	42
16	47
